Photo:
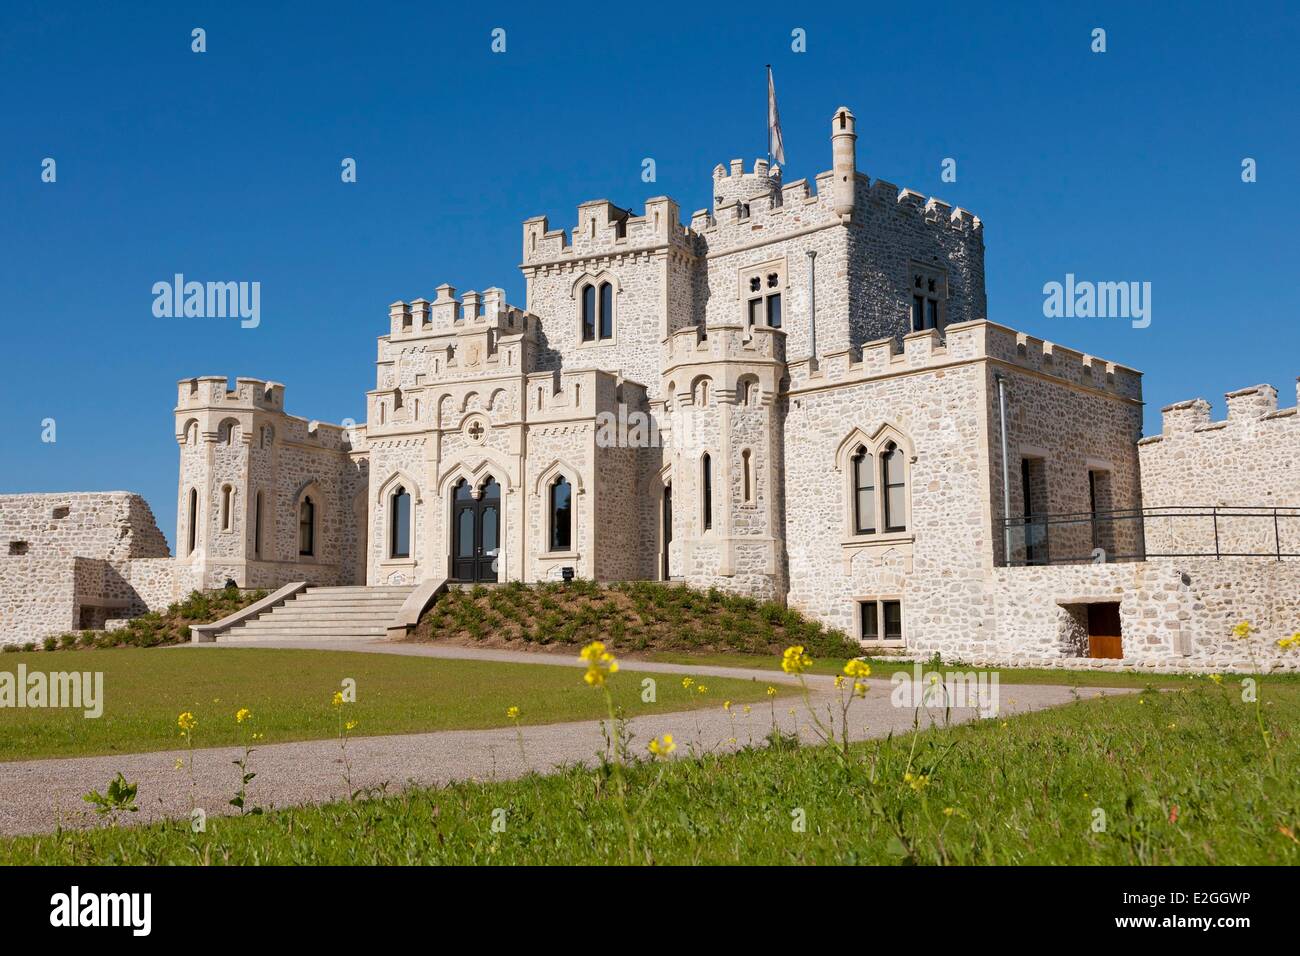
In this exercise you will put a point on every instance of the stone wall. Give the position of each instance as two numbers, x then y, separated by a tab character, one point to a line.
1246	465
1175	615
73	560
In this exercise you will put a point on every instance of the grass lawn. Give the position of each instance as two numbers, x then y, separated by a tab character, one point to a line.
289	694
1176	777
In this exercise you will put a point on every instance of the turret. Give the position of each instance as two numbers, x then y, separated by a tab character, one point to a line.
845	165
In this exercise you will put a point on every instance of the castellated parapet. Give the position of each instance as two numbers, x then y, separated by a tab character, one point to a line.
1248	462
967	342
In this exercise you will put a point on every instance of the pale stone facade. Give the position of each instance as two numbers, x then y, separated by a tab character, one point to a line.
797	396
77	560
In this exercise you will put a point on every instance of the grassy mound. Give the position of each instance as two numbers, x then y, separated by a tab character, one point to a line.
629	617
171	626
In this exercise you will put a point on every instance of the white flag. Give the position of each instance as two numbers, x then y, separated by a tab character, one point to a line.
775	147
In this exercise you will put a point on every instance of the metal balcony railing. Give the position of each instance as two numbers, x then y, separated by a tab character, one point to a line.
1135	534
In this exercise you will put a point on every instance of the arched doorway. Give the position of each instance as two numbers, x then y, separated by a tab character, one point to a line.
475	531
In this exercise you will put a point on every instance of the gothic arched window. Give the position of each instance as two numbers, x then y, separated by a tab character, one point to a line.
864	492
561	505
307	527
399	523
606	311
895	488
588	313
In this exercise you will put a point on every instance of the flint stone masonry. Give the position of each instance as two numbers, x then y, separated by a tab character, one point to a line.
748	454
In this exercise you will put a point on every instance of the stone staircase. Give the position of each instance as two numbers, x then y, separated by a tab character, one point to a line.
323	614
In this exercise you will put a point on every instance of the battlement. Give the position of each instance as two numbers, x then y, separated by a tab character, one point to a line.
725	342
210	394
734	185
207	391
797	205
967	342
580	393
1246	406
447	314
604	229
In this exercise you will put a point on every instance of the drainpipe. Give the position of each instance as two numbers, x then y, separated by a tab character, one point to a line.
1006	458
812	302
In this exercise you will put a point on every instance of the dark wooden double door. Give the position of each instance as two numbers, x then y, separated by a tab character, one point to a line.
475	532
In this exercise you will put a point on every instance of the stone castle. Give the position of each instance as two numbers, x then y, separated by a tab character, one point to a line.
797	397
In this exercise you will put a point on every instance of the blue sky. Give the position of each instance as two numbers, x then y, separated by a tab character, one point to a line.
1122	166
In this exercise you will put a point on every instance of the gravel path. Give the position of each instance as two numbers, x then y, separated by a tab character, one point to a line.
38	795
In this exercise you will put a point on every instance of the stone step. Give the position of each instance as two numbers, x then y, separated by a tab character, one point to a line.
363	591
293	636
324	614
310	630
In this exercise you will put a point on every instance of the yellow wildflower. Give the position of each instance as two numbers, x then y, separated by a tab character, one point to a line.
794	660
917	781
1217	678
512	713
726	705
859	688
949	811
242	715
771	691
662	746
1242	630
186	722
337	699
599	663
839	681
1287	643
701	688
857	669
687	682
351	724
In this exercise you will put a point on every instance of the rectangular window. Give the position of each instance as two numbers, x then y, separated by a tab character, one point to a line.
707	496
774	310
755	310
893	620
1033	489
870	611
881	620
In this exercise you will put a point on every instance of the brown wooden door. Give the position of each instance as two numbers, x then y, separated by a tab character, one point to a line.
1103	631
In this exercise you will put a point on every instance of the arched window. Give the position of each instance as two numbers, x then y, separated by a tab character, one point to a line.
307	528
226	432
561	514
227	495
193	521
606	311
706	490
864	492
747	476
895	496
701	396
399	523
588	313
257	526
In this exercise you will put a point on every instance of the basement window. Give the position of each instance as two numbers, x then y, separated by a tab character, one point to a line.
61	512
880	621
17	547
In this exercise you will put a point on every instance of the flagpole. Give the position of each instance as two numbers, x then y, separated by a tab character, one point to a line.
767	114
